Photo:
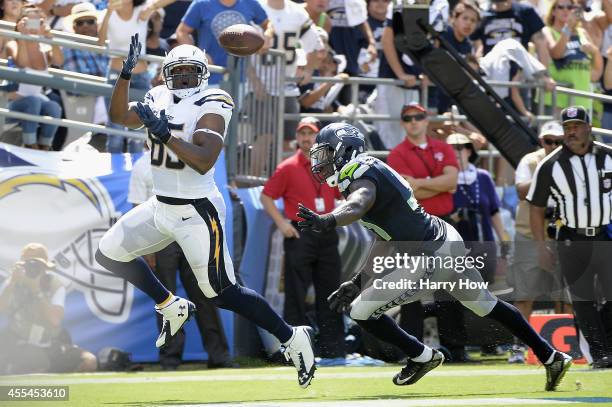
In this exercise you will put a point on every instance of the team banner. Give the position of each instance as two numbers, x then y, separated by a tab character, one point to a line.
67	201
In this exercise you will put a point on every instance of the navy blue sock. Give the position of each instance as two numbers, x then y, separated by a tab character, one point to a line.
248	303
510	317
385	328
138	273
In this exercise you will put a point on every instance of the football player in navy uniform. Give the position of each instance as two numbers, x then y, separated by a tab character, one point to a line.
380	199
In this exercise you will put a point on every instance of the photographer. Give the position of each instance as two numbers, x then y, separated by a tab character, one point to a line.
32	299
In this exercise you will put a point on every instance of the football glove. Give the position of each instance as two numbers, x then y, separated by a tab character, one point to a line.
158	126
313	221
132	59
341	299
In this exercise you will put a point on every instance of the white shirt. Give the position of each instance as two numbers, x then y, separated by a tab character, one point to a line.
120	31
293	29
172	177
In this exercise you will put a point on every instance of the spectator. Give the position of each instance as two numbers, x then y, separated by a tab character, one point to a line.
84	21
476	206
316	9
124	18
293	28
349	20
210	17
174	12
155	44
56	11
166	264
310	258
29	98
430	166
395	65
596	22
464	20
322	97
575	60
32	300
606	81
509	19
368	67
9	11
525	276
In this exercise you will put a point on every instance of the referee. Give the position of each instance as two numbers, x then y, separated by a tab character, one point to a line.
578	176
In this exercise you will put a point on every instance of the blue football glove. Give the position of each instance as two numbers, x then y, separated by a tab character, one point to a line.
132	59
158	126
313	221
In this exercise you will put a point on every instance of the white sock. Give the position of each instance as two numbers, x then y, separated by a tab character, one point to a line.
425	356
551	358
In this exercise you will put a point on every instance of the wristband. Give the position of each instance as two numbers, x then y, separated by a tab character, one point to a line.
126	76
164	138
329	221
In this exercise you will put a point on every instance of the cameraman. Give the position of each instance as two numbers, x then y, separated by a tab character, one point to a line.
34	341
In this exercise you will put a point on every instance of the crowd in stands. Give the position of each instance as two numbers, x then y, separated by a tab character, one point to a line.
548	42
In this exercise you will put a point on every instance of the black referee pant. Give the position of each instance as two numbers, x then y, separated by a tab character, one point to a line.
586	266
170	260
314	259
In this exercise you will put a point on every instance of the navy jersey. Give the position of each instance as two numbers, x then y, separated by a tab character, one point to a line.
396	215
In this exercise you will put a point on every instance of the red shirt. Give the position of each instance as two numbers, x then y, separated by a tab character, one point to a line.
409	159
293	181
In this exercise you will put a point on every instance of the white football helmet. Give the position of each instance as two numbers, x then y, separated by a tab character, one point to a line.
180	56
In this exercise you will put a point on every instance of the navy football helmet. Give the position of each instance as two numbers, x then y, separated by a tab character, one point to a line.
335	146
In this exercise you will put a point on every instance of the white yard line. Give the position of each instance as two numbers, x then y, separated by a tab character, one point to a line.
497	401
285	375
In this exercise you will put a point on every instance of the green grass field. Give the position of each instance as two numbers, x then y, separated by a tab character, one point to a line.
491	384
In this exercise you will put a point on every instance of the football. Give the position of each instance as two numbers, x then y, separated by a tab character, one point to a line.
241	40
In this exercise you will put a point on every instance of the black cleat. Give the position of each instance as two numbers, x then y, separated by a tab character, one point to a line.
556	370
415	370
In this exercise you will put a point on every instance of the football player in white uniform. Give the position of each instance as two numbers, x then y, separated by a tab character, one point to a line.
186	124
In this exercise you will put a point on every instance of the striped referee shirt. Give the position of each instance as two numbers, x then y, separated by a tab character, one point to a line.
581	186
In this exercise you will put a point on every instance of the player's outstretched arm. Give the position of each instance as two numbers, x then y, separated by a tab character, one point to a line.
207	143
361	198
120	110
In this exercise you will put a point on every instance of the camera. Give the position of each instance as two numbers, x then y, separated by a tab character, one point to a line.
34	268
32	24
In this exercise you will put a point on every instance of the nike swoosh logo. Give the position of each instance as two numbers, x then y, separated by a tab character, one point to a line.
402	381
186	218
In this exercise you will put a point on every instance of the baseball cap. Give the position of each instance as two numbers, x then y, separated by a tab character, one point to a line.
551	128
575	114
311	122
36	251
413	105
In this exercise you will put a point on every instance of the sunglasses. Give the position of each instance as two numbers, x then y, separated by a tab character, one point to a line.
550	142
418	117
461	147
566	7
89	21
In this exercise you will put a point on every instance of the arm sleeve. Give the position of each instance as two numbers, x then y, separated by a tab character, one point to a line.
396	162
540	187
523	173
259	14
450	159
217	103
277	184
192	15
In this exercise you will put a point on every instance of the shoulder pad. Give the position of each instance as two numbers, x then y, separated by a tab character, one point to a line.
215	95
353	170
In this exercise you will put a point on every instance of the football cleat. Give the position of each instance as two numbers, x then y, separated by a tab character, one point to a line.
557	369
299	351
517	355
415	370
174	316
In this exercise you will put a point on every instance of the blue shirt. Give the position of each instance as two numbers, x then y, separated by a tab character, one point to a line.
85	62
463	48
520	22
210	18
409	67
482	189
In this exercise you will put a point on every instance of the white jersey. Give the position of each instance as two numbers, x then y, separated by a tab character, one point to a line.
171	176
293	29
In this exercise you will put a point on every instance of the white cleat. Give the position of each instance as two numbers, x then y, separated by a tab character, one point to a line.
299	352
175	315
